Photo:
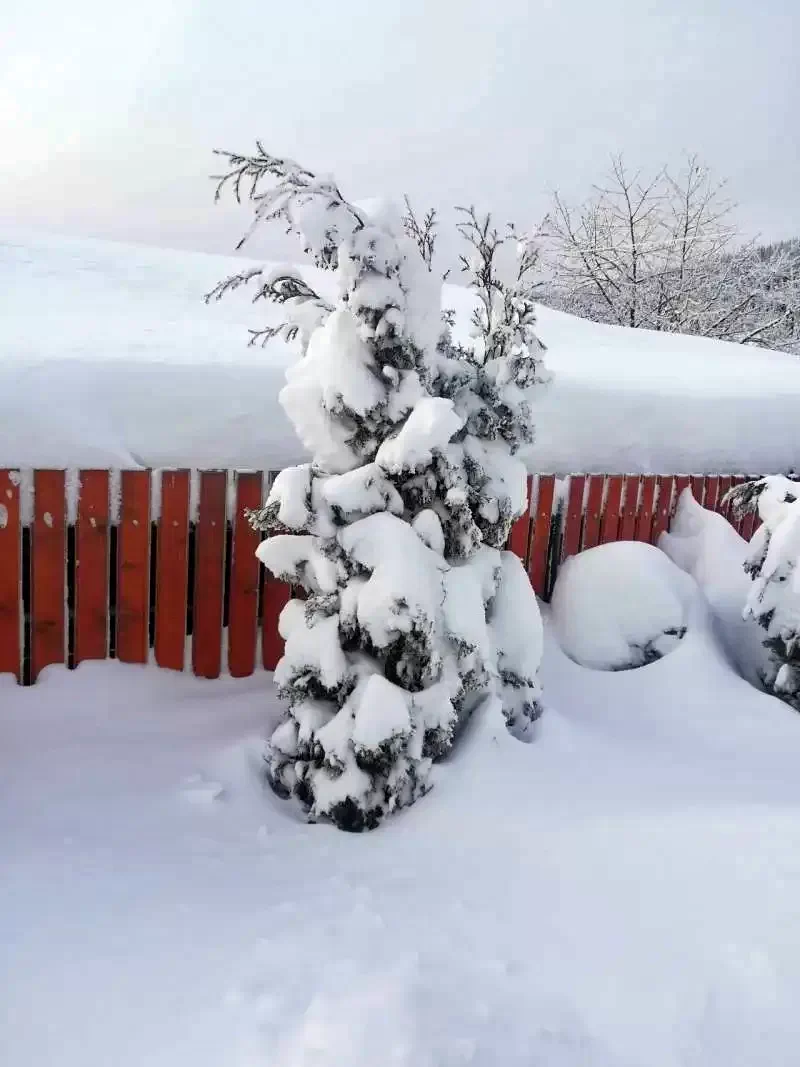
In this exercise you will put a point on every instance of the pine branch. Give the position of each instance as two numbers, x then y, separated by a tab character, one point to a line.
423	233
287	185
280	287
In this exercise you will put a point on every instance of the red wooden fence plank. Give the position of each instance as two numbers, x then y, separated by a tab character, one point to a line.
520	533
243	608
571	539
48	565
711	493
724	486
172	570
663	507
133	582
594	506
209	575
10	576
682	482
274	598
749	523
697	485
540	538
644	517
91	567
609	525
627	524
735	520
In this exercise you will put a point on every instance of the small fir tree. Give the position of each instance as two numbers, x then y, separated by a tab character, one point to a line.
392	530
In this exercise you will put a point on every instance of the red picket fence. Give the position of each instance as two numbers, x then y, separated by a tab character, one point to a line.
87	576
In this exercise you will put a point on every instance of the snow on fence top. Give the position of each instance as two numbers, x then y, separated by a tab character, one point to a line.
109	358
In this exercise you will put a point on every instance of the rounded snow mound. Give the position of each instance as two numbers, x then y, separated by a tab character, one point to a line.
619	606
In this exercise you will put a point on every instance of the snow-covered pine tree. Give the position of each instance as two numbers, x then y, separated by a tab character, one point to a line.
393	645
492	378
774	565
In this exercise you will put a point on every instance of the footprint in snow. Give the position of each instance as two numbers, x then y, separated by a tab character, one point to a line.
203	791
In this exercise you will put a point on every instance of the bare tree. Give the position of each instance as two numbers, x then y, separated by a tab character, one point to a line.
633	252
767	281
663	253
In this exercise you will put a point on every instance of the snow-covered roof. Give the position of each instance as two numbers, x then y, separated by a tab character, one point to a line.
109	357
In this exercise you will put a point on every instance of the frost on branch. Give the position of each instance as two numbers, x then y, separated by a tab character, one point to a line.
774	565
394	528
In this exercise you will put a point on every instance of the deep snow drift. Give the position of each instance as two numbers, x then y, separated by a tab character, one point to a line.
621	893
707	547
108	357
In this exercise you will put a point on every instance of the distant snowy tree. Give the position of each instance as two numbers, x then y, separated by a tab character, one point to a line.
663	253
393	529
774	565
764	292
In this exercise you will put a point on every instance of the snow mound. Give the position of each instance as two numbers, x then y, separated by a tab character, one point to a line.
620	606
706	546
703	543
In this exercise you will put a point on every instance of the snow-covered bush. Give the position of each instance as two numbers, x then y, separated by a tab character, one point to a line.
774	565
394	529
620	606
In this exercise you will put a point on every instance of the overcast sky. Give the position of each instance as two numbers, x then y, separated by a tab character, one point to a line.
109	112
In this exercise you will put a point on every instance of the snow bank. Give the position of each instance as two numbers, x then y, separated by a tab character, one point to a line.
109	357
707	547
620	605
623	892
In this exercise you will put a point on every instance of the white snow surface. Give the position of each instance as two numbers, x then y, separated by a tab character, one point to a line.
706	546
516	620
615	605
429	427
622	892
110	358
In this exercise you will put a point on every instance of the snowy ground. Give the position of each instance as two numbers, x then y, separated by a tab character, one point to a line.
620	893
109	358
